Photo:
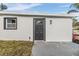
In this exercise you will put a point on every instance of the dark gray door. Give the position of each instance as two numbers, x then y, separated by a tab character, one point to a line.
39	28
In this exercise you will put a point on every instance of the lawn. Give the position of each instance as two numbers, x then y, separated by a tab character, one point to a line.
15	48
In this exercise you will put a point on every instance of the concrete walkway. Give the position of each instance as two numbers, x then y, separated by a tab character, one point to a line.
55	49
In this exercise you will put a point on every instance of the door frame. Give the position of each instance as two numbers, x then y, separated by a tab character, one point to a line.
44	27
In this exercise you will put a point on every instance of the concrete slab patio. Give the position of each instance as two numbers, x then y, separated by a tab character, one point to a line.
41	48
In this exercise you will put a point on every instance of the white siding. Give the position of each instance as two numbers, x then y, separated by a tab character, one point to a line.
24	29
59	30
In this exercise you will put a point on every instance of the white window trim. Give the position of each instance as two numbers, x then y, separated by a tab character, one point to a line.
10	28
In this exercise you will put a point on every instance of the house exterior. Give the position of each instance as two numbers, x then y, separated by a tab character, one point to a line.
31	27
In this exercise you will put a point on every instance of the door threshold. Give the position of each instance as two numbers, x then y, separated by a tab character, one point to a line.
39	41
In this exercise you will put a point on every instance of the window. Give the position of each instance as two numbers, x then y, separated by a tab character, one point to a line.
10	23
39	22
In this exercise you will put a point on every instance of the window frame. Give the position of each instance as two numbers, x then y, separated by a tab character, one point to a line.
6	23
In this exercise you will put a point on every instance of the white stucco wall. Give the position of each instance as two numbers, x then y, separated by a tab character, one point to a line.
59	30
24	29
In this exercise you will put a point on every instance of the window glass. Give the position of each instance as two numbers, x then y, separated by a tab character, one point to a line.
10	23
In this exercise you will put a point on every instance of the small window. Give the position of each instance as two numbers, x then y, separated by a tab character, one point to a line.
10	23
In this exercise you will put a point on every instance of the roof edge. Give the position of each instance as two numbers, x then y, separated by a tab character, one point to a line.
38	14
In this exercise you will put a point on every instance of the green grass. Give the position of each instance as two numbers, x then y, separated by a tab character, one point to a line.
15	48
